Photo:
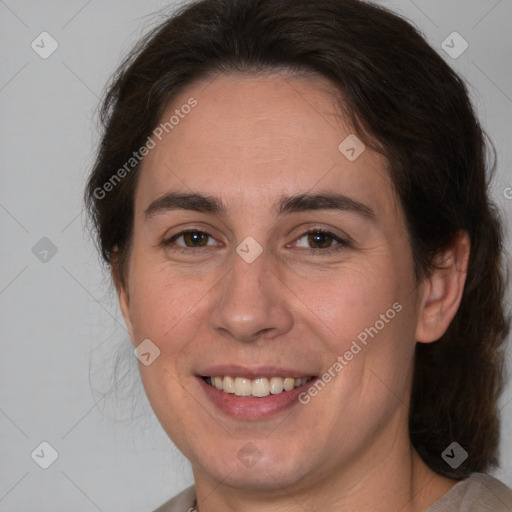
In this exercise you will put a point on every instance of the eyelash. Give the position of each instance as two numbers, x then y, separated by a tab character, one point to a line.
340	245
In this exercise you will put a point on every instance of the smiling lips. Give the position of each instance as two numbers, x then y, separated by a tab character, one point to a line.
259	387
252	393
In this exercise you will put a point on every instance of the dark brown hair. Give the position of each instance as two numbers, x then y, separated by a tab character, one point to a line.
406	102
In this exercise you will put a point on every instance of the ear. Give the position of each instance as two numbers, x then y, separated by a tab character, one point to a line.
442	291
121	286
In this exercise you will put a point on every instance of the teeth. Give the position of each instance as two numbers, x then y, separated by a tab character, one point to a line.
228	384
260	387
243	387
276	385
218	382
288	384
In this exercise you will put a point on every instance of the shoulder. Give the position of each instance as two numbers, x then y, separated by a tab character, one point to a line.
478	493
182	502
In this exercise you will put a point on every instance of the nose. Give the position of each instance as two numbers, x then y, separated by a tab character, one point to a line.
253	302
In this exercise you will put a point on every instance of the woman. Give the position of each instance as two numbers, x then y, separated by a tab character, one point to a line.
292	199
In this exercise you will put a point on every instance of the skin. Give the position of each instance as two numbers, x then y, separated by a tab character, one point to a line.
249	141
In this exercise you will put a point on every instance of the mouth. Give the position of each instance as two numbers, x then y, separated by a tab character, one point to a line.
253	394
257	388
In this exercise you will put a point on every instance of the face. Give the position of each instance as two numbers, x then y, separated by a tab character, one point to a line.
265	255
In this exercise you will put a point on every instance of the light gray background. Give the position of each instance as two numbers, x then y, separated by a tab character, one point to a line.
61	328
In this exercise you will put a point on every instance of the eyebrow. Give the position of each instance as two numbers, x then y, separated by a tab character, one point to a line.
285	206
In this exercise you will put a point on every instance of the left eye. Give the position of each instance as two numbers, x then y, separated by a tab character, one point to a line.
319	239
191	239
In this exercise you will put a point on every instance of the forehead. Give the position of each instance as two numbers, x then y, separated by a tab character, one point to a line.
250	139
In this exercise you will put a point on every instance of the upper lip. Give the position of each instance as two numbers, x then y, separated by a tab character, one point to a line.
252	372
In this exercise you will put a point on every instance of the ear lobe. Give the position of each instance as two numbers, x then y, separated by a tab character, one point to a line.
443	290
124	305
122	291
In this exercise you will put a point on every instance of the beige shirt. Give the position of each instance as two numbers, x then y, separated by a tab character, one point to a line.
478	493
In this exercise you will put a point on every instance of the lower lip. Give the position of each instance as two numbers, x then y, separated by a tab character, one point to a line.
252	408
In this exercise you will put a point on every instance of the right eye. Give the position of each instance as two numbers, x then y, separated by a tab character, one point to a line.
188	240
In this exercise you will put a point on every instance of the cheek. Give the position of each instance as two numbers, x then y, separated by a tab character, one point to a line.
365	316
352	299
162	304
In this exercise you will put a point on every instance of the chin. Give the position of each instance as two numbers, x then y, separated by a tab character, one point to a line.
244	466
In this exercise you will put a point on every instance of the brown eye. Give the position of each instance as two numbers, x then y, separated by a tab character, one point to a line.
195	238
189	240
320	240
